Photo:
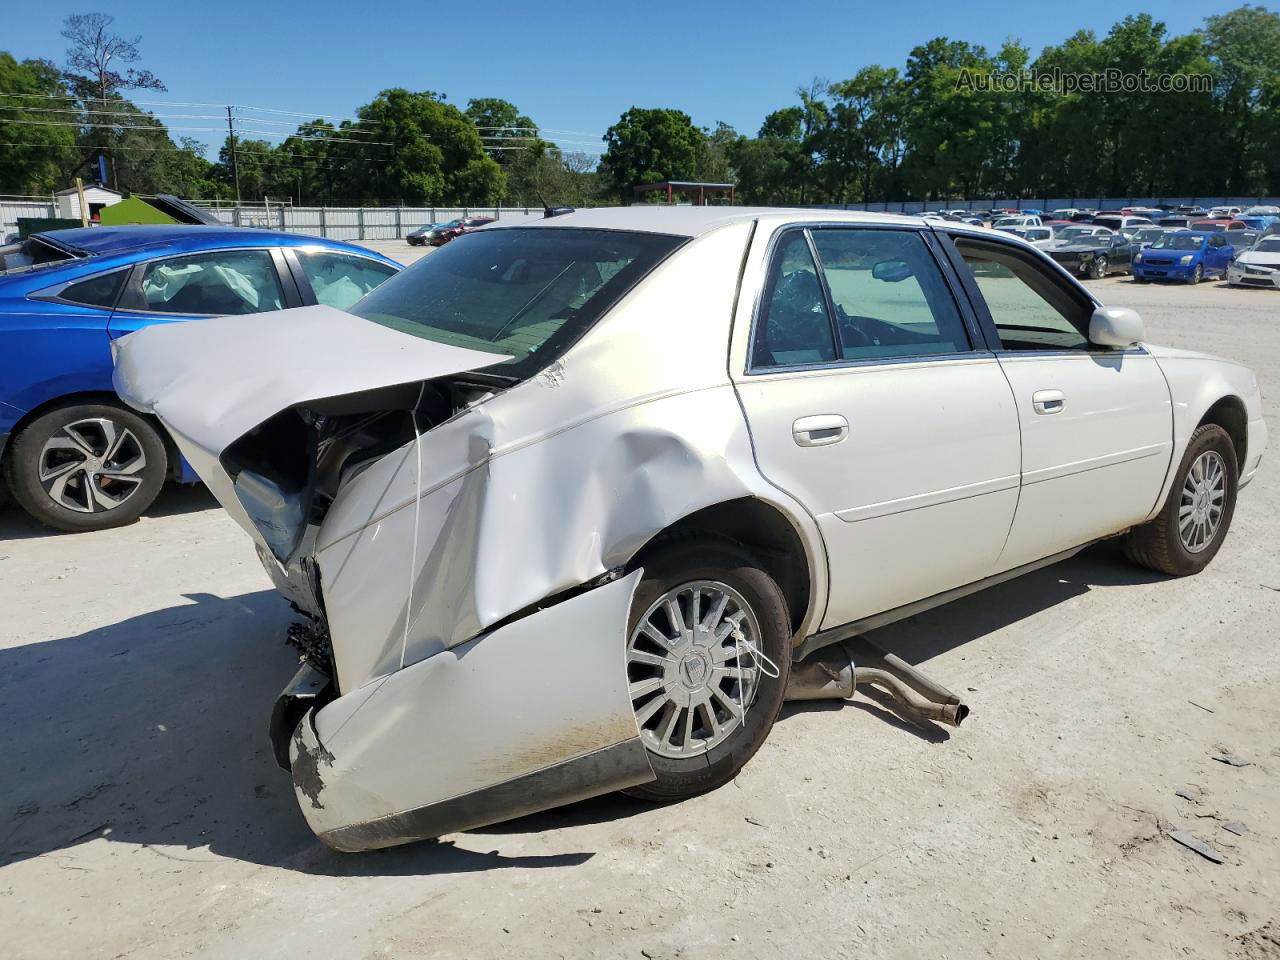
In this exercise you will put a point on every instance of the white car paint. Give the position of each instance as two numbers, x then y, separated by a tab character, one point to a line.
901	478
1257	266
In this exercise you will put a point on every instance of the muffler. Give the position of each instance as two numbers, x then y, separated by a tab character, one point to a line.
833	673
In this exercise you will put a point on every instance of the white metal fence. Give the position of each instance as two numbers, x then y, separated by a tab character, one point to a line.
13	208
358	223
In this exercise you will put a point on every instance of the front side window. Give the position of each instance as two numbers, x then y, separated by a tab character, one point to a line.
340	279
225	282
523	291
1032	309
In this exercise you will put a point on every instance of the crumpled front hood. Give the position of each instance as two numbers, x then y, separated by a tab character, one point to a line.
214	380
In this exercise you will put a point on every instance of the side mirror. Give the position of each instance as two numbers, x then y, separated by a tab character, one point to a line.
1116	327
891	271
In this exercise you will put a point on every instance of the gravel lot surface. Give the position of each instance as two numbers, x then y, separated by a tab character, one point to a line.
141	814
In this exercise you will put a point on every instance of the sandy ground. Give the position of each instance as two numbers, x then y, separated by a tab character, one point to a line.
143	816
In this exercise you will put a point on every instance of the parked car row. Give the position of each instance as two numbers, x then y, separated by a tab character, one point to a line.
438	234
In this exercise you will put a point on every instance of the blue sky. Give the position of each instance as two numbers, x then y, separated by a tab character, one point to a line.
573	67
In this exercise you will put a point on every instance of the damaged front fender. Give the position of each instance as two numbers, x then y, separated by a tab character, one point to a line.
530	716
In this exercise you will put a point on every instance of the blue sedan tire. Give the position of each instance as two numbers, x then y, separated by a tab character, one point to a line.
87	466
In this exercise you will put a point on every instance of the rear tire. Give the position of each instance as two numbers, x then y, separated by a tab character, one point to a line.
1174	541
693	758
87	466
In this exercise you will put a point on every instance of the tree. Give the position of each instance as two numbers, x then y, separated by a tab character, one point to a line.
33	156
95	52
434	155
506	132
1244	47
648	145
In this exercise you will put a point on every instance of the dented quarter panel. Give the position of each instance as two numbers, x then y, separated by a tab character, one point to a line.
541	691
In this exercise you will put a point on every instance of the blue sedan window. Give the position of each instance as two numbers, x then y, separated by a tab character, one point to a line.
101	291
226	282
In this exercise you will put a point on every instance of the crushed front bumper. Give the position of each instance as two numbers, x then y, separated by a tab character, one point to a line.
530	716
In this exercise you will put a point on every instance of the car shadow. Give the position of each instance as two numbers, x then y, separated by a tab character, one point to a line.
153	732
174	499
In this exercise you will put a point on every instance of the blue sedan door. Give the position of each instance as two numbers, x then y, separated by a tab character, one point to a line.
1219	254
216	283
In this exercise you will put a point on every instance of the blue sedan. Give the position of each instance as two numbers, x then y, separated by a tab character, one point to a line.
1185	255
72	454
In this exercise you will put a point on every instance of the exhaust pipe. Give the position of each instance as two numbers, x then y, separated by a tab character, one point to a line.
831	674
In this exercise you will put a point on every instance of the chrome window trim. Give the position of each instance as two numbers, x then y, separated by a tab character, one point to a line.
830	366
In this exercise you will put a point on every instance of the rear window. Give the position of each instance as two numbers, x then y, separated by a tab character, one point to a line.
29	254
528	293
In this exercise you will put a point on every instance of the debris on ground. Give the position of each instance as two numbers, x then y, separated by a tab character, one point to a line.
1231	759
1191	842
1236	827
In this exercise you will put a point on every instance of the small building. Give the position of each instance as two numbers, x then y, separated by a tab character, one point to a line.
96	197
698	193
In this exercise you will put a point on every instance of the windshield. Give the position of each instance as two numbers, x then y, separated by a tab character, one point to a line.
1268	245
1075	233
1148	235
1178	241
1011	222
526	292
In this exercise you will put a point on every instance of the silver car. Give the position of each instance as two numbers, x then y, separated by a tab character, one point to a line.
573	507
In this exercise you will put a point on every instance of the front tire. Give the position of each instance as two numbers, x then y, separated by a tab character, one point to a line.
704	700
87	466
1098	269
1188	532
1196	275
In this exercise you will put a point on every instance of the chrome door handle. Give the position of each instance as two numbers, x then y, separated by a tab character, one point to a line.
1049	401
820	430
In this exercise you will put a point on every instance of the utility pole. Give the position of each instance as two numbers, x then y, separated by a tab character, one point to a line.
235	162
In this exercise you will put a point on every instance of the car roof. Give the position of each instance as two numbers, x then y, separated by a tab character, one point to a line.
696	221
110	241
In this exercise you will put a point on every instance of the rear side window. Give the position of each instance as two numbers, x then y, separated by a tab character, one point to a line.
339	279
870	294
225	282
100	291
793	326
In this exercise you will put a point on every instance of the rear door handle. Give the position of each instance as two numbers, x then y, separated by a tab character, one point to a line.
1049	401
820	430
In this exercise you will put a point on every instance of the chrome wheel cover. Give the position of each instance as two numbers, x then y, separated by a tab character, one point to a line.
1204	493
91	465
691	668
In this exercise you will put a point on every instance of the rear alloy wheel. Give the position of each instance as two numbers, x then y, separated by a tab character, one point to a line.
1098	269
1187	533
87	467
708	656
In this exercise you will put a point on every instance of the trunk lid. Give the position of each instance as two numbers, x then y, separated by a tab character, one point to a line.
212	382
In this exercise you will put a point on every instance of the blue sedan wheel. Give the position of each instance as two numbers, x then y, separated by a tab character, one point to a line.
87	466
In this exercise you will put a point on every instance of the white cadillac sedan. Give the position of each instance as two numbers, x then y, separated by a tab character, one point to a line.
562	504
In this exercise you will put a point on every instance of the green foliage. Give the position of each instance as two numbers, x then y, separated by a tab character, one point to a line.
32	156
648	145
